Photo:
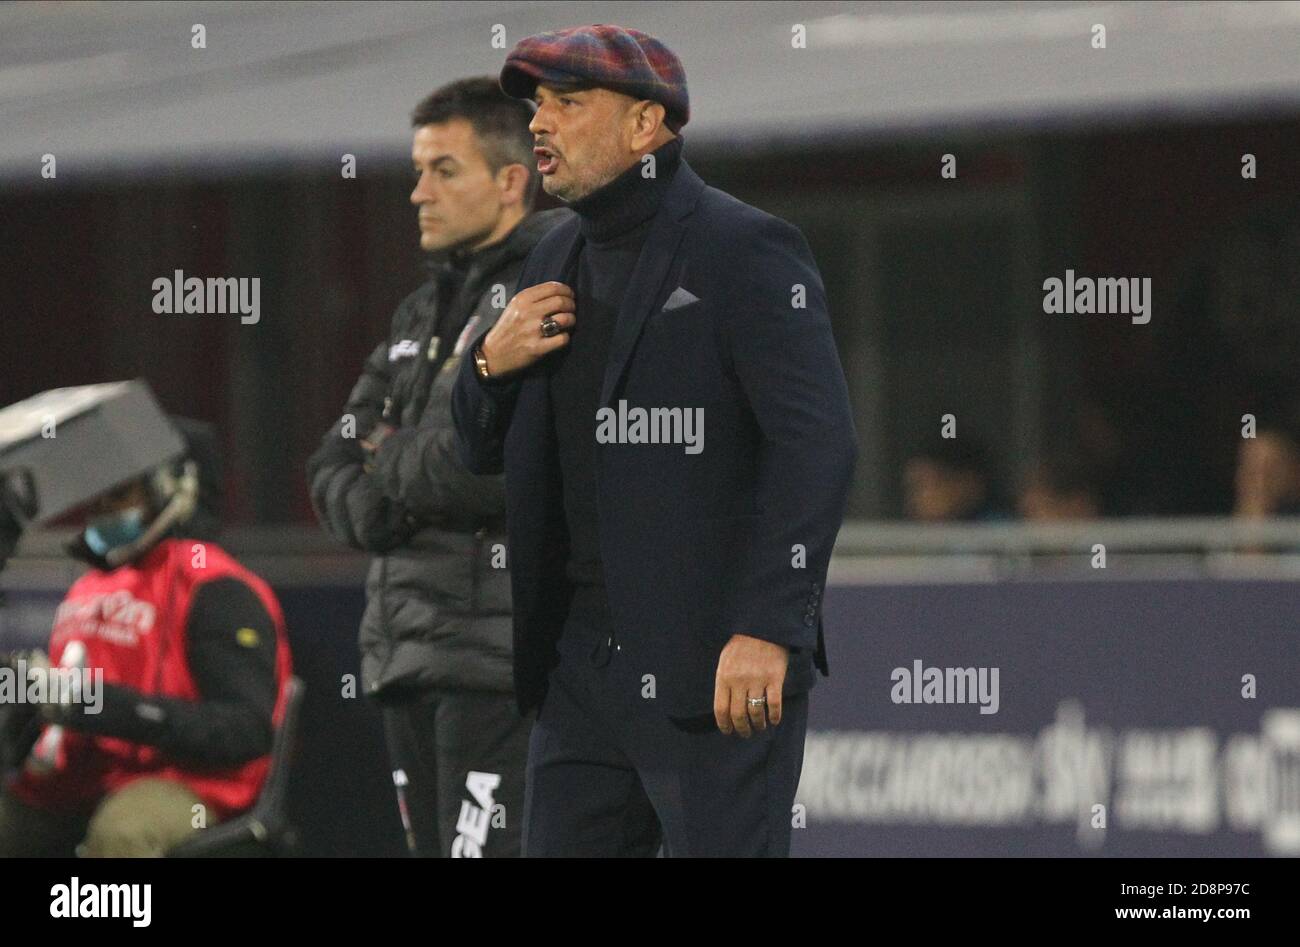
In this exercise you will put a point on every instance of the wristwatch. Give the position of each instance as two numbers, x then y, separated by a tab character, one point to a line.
480	362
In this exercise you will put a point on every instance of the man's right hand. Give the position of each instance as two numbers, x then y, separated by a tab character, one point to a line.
516	341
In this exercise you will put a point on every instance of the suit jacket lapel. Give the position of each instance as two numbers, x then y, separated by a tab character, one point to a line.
563	270
567	273
648	276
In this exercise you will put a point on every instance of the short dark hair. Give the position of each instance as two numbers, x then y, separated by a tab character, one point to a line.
500	123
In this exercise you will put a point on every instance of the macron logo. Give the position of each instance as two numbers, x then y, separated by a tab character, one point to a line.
78	900
407	348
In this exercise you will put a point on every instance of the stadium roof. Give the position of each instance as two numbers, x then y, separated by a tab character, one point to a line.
118	85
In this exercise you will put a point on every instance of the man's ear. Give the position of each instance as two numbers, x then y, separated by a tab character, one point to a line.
647	119
513	181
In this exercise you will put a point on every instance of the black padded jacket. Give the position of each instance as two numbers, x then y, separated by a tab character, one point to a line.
438	592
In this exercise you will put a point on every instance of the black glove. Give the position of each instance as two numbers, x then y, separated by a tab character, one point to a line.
20	725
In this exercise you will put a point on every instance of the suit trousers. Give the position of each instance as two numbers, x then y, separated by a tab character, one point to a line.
611	774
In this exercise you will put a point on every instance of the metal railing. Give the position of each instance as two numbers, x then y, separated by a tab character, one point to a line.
866	551
1170	535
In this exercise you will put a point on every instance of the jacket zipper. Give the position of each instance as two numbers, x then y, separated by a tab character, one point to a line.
386	625
479	534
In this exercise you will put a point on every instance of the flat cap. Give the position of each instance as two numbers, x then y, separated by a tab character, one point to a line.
612	57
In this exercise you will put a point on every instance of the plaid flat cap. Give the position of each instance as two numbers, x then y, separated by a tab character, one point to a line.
611	57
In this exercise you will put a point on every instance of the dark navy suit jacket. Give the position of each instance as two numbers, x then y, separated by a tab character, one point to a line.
695	547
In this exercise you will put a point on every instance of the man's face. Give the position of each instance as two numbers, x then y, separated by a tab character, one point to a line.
1039	503
457	194
1268	473
932	493
134	493
583	139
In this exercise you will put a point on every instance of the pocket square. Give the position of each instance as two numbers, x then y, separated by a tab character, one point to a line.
680	297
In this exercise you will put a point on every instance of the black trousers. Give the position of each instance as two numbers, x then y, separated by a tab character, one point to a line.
610	774
458	768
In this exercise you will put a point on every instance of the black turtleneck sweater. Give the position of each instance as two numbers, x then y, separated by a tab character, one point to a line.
614	222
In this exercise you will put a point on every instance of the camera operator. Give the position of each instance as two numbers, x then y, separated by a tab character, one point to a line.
194	661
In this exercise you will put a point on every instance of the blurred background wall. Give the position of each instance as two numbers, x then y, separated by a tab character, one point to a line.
1121	683
1124	161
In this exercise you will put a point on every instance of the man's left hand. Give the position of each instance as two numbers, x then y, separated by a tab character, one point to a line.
371	443
749	668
